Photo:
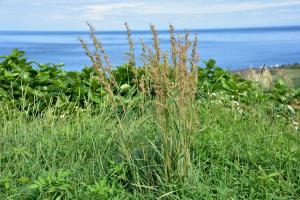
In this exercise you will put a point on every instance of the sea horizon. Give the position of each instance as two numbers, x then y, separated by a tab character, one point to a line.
232	48
287	27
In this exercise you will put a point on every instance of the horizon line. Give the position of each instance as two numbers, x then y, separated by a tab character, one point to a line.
163	30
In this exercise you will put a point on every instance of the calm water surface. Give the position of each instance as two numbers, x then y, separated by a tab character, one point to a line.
232	48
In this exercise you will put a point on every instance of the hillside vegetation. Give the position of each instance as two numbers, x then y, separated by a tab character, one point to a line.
290	73
164	130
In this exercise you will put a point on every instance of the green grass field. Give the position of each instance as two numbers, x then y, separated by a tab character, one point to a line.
80	155
160	131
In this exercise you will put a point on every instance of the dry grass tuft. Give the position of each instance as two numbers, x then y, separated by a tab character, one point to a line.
131	57
262	76
174	85
282	73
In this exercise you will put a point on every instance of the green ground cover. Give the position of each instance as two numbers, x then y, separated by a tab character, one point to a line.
160	131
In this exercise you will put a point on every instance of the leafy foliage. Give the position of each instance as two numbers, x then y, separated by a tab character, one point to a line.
21	81
38	85
51	186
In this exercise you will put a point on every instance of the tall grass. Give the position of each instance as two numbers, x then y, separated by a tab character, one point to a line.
262	76
174	104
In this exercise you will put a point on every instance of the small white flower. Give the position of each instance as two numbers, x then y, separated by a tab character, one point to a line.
295	125
291	109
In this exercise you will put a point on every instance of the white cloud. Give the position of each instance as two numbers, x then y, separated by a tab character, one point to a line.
66	14
99	11
203	7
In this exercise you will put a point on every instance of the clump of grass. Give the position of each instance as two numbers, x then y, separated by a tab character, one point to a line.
262	76
106	76
174	104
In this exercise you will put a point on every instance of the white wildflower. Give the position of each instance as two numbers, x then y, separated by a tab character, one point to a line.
291	109
296	125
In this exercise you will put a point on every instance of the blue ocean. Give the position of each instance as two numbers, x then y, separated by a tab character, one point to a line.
232	48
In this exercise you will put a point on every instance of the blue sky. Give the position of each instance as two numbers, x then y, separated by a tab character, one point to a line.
111	14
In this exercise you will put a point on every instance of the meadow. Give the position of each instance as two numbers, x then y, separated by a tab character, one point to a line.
170	129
